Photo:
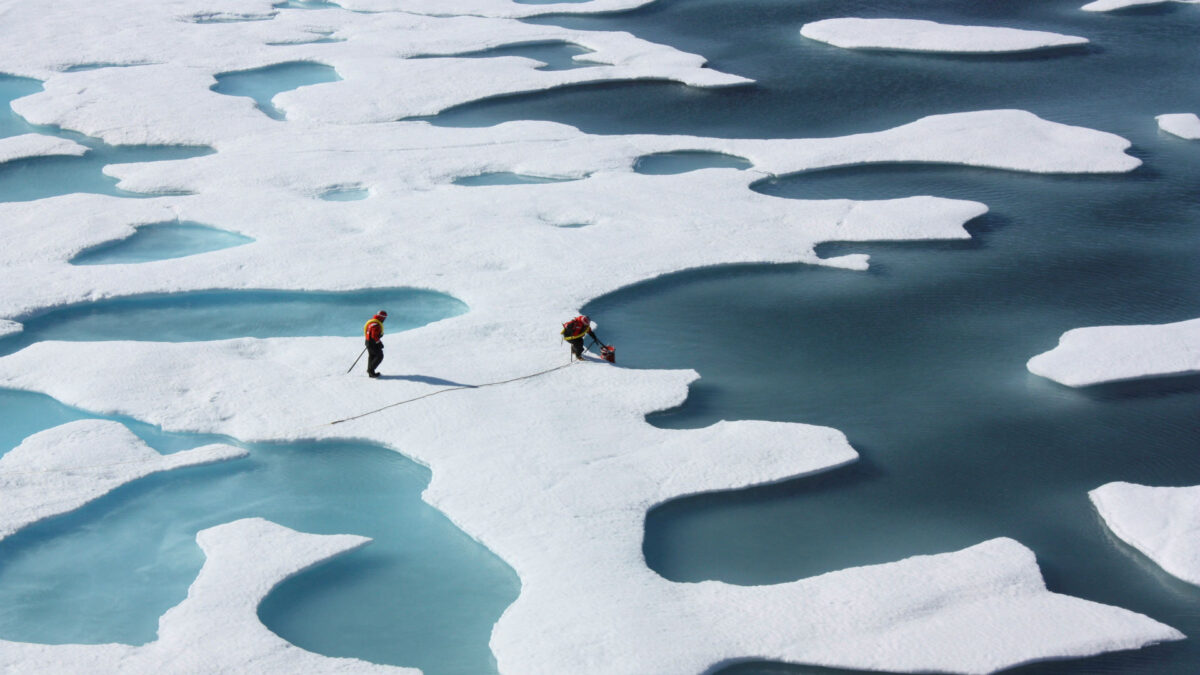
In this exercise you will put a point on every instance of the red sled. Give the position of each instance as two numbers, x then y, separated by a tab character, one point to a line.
609	353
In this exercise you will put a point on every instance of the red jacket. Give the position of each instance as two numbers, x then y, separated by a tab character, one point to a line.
576	328
373	329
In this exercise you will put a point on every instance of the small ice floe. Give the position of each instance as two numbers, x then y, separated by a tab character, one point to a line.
61	469
914	35
10	328
26	146
1099	354
1161	522
1183	125
1115	5
216	628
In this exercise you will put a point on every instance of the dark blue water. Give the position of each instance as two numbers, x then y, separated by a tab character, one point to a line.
160	241
1135	69
422	594
921	361
40	177
555	55
219	315
262	84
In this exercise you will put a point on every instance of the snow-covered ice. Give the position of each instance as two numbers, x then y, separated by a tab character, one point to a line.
61	469
216	629
1098	354
917	35
26	146
9	328
254	186
1183	125
558	475
559	511
1161	522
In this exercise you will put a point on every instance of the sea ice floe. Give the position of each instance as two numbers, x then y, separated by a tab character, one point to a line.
172	99
1161	522
10	328
216	629
1183	125
493	8
260	186
38	145
1114	5
561	508
61	469
928	36
1098	354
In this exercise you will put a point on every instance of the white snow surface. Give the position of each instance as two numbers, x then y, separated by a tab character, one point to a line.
1115	5
1183	125
8	328
216	629
565	506
554	473
1161	522
37	145
917	35
1099	354
61	469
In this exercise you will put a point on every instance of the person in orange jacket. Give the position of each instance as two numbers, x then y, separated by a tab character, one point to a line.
574	332
373	333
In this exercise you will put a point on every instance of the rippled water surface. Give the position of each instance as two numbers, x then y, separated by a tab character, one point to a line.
921	361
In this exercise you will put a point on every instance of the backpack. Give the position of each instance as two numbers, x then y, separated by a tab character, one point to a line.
574	327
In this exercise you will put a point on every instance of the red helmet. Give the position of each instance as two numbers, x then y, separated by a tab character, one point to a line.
382	314
586	321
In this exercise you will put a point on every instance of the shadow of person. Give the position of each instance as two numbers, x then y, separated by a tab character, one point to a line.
425	379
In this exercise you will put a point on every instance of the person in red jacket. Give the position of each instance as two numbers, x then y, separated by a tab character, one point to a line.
574	332
373	332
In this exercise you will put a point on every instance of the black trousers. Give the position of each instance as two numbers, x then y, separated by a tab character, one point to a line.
577	347
374	355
